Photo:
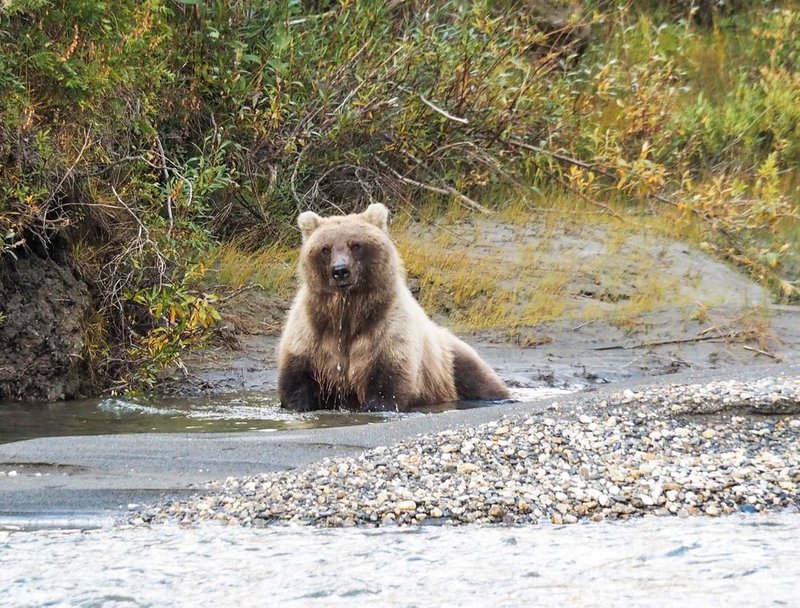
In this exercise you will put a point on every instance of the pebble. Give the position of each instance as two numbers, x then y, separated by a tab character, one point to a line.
648	451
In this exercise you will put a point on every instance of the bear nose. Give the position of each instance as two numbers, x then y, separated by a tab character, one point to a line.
341	272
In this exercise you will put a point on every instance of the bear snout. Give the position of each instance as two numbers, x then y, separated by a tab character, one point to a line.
340	272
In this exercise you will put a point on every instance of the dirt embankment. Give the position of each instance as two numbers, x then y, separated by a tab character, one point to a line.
547	304
42	308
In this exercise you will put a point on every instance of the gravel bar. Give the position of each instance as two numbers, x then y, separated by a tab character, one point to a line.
676	450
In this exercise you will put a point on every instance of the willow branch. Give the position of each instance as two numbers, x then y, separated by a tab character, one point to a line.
446	190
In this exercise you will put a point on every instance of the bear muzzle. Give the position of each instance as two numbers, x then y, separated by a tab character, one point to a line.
341	275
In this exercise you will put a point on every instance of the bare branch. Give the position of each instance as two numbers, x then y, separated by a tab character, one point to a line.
442	111
445	191
165	169
582	164
434	107
161	261
302	20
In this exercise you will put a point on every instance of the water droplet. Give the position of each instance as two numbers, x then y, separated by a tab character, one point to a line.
341	316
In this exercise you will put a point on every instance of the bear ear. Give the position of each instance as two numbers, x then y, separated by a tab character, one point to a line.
377	214
308	221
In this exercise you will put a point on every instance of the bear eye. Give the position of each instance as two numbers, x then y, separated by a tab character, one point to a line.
355	247
326	250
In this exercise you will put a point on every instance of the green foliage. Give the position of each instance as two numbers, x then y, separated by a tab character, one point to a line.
177	317
705	120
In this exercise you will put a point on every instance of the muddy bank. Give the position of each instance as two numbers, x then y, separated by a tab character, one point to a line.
582	304
42	308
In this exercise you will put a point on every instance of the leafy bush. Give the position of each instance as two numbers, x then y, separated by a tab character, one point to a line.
142	131
702	121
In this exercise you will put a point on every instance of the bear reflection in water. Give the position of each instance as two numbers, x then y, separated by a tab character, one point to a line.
356	338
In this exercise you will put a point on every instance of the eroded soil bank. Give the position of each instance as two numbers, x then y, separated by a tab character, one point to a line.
42	310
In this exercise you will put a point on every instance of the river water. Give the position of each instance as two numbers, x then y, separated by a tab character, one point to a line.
236	411
737	560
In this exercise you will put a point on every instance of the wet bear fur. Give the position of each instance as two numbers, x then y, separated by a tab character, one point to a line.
356	338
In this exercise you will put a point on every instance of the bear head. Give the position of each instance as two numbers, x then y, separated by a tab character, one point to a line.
348	253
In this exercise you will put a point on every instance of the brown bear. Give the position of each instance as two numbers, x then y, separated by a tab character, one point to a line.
356	338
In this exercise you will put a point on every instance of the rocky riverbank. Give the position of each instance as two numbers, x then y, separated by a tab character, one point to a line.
657	451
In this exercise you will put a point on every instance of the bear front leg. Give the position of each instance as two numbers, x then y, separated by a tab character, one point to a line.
297	387
387	389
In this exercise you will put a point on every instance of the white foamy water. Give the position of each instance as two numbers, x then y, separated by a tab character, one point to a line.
533	394
254	407
267	407
122	407
739	560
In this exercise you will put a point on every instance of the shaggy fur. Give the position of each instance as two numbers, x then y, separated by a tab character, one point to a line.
356	338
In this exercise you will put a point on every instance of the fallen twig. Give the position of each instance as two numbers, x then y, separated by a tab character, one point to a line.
668	342
672	361
239	291
758	351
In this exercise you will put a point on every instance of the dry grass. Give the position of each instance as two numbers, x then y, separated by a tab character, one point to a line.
528	266
522	267
271	268
750	326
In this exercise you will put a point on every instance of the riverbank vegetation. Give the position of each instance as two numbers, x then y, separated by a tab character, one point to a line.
161	148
